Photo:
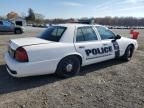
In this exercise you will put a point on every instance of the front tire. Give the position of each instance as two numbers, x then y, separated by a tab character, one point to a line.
68	67
128	53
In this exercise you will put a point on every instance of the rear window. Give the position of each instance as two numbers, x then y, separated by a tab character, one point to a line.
53	33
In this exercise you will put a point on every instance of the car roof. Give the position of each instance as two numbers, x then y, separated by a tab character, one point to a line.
74	25
69	34
6	20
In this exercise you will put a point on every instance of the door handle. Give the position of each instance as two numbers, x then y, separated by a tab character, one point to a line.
105	44
81	46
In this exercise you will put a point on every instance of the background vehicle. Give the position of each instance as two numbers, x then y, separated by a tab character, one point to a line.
8	26
63	49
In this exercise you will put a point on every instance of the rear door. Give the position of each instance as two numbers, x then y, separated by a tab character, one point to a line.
88	44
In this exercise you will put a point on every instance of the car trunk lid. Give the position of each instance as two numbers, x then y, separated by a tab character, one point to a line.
21	42
15	43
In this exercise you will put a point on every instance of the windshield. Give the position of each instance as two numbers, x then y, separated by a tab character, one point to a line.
53	33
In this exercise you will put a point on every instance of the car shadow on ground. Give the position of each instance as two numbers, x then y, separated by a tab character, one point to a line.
9	84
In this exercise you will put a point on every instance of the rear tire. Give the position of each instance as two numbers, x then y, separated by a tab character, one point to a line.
68	67
128	53
18	31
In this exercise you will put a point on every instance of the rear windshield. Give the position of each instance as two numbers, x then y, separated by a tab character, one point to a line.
53	33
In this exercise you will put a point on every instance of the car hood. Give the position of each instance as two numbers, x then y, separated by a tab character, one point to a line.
128	39
15	43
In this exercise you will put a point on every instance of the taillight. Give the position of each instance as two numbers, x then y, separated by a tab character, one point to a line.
21	55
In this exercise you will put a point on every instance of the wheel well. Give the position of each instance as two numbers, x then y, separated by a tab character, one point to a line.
78	56
128	46
132	46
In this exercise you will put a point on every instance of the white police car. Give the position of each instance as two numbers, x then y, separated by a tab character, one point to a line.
63	49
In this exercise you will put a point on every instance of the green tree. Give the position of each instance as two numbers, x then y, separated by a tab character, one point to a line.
31	15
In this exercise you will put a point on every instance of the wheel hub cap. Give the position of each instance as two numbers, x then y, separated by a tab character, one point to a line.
69	67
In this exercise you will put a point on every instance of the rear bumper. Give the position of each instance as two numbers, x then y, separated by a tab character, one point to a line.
17	69
10	71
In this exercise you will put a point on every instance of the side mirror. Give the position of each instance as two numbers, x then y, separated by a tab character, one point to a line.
117	37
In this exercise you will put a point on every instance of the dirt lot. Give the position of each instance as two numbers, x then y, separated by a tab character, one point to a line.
111	84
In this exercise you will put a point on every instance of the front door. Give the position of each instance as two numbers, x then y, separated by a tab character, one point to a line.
108	39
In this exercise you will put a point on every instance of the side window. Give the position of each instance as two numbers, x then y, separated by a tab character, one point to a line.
6	23
89	34
80	36
86	34
60	31
12	23
54	32
57	32
1	23
105	33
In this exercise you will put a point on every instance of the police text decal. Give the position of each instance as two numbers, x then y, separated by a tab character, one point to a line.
98	52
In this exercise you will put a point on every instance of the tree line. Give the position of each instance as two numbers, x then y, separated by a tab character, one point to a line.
120	21
36	18
111	21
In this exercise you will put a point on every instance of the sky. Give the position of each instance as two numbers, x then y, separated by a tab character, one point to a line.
75	8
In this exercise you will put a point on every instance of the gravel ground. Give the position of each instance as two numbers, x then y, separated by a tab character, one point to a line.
111	84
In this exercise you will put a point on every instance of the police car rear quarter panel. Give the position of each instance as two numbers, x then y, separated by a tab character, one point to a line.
51	51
